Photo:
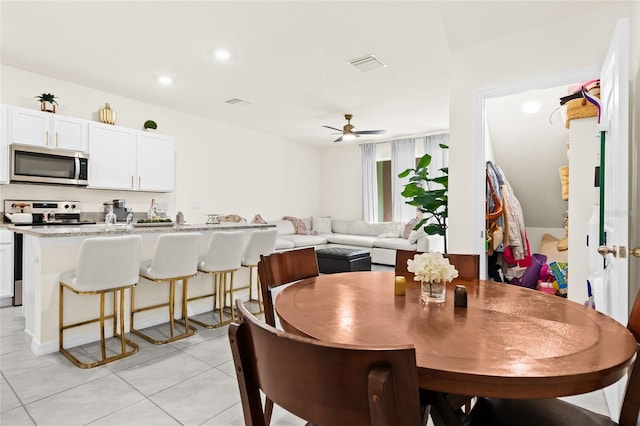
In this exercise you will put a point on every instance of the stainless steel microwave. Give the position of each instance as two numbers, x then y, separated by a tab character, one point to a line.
33	164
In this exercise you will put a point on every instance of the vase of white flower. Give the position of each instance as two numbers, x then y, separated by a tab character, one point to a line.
433	271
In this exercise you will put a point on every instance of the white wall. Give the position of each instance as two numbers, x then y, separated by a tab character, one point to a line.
341	193
219	168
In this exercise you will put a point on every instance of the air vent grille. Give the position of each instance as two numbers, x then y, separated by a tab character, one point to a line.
236	101
367	63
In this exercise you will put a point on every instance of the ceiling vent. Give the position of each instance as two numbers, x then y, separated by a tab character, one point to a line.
367	63
236	101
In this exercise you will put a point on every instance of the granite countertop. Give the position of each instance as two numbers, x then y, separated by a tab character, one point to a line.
121	229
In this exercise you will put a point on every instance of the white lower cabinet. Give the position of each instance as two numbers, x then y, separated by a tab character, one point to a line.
127	159
6	263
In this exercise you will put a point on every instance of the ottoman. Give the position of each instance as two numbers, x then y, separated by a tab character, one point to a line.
342	259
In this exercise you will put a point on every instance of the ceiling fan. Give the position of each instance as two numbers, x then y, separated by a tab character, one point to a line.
349	131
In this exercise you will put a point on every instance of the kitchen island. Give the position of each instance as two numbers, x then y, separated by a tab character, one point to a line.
50	250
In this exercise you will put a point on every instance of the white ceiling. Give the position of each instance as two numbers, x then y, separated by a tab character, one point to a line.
290	59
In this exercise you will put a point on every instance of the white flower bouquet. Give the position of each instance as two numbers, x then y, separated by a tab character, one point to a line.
432	267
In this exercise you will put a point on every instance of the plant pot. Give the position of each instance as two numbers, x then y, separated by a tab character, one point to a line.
48	106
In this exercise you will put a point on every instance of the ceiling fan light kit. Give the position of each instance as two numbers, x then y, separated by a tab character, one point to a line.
349	131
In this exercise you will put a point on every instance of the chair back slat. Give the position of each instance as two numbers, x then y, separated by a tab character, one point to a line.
323	383
282	268
468	265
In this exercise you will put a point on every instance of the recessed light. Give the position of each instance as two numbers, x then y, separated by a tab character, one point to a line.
165	80
222	55
531	107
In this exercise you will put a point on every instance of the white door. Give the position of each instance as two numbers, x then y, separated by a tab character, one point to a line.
609	272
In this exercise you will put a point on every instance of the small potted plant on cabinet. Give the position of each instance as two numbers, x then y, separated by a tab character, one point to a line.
47	102
150	125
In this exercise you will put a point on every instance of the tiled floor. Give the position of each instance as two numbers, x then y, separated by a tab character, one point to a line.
187	382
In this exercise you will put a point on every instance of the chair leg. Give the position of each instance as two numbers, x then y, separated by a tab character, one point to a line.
188	330
104	359
217	296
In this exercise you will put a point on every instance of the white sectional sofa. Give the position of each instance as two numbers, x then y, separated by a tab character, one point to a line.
381	239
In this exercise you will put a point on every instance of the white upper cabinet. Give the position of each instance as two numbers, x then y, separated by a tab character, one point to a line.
155	161
31	127
111	156
127	159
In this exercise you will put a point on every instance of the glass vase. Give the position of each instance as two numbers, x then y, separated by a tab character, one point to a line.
432	292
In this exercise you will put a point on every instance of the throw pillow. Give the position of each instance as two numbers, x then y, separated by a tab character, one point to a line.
409	227
258	219
298	225
322	225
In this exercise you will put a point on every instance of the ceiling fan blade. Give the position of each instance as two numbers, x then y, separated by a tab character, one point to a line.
370	132
333	128
339	139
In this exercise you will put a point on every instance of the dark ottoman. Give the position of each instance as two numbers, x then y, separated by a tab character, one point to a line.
341	259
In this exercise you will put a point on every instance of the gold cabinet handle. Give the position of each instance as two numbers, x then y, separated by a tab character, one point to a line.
604	250
139	181
46	137
56	139
635	252
132	182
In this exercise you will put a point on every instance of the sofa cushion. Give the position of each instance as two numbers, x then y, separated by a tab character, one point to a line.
414	236
258	219
394	243
284	227
340	226
305	240
360	227
352	240
284	244
322	225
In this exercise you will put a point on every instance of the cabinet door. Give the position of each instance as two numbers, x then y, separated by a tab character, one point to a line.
155	162
4	146
111	154
29	127
6	263
70	133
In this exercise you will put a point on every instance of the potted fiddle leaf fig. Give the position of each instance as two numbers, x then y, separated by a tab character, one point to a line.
429	195
150	125
47	102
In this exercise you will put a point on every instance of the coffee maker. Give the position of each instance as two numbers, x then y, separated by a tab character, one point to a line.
119	208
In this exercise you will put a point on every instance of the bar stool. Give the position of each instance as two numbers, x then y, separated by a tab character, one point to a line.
222	260
175	257
261	242
105	265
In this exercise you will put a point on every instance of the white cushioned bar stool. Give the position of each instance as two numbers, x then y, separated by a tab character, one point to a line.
175	258
105	265
261	242
222	260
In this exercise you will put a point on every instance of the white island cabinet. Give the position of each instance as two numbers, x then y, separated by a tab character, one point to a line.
121	158
32	127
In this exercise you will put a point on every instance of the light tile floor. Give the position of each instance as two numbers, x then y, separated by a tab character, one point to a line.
187	382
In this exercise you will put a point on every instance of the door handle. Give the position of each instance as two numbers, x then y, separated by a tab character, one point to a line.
635	252
604	250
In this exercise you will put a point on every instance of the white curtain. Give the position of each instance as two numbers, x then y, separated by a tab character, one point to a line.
403	157
439	156
369	183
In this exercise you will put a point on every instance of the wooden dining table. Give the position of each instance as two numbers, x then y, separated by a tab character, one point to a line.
509	342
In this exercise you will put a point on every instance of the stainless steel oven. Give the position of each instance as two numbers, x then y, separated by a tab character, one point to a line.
33	164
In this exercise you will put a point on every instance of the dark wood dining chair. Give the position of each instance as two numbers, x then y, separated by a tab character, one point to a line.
556	412
320	382
468	265
281	268
278	269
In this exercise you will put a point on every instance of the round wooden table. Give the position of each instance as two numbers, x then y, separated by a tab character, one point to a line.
510	342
